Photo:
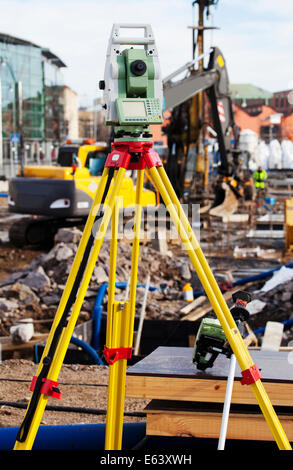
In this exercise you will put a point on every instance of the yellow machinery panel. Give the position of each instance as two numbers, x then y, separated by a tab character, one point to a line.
127	191
289	224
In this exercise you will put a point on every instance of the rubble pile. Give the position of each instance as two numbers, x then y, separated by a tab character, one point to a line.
275	304
35	291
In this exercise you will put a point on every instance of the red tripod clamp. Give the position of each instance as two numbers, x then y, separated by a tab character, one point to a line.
251	375
49	387
133	156
112	355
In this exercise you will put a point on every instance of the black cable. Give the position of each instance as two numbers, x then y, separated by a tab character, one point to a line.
73	409
47	361
4	379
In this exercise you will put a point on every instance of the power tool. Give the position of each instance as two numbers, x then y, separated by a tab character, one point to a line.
211	340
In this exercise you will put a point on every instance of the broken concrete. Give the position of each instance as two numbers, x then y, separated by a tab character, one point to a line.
37	280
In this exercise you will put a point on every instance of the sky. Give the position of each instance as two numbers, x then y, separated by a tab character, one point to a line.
255	36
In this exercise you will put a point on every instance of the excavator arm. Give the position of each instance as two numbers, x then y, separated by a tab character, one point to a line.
214	81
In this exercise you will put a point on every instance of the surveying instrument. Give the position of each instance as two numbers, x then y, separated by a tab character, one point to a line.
133	101
211	341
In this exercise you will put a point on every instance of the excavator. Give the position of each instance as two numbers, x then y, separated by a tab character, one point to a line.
61	194
186	168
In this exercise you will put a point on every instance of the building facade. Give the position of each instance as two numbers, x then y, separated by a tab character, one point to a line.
32	82
250	98
282	102
268	114
37	110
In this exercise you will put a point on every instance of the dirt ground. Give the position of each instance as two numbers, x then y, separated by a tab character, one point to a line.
81	387
11	258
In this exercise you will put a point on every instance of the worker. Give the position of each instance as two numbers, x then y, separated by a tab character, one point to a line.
260	177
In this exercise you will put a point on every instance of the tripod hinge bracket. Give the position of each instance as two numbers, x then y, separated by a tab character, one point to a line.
49	387
132	156
118	159
250	375
112	355
152	159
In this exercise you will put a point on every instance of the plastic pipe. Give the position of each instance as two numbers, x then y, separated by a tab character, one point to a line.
97	315
87	348
285	322
74	437
81	344
256	277
227	403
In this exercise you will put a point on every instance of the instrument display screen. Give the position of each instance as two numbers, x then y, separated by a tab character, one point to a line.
134	108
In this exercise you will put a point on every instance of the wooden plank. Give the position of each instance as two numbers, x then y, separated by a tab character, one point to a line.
169	374
239	218
203	310
201	299
199	313
212	391
177	421
6	343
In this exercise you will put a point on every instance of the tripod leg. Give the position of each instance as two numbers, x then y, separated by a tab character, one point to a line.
120	333
112	271
217	302
77	260
113	340
135	251
38	401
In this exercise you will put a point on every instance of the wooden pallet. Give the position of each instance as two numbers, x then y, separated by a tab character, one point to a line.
189	419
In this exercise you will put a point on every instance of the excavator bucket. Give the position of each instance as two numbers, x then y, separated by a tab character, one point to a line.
226	202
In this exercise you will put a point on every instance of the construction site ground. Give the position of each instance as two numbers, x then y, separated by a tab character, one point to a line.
85	386
82	386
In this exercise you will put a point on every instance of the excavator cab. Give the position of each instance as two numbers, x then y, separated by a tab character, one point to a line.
67	155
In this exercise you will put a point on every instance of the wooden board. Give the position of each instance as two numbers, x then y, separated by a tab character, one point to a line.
169	374
6	343
185	419
207	308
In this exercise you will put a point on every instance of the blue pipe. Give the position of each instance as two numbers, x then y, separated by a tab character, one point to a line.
87	348
75	437
285	323
260	276
81	344
256	277
97	316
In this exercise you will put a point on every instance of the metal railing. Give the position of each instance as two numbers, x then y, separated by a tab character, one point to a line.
34	153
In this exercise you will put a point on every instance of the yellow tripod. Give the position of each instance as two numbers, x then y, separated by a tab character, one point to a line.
120	315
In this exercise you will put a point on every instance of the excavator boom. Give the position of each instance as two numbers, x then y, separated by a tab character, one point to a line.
214	81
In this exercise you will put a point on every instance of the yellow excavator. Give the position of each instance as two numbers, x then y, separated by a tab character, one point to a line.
61	194
184	128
